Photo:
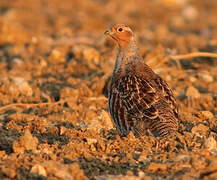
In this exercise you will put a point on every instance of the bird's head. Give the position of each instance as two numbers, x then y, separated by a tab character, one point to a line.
122	34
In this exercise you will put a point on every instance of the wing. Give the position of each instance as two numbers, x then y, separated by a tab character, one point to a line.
167	95
138	97
137	105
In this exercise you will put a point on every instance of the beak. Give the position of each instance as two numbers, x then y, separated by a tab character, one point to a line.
108	32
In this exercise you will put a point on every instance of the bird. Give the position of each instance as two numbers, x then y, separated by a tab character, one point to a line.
139	99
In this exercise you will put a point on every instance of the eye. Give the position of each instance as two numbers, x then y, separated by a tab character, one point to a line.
120	29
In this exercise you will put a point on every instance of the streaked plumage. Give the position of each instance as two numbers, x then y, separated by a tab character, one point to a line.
139	99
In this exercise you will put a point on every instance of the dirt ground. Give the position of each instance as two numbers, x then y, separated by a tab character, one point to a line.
55	66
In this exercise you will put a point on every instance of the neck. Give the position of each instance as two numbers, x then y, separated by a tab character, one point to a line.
124	55
129	49
127	45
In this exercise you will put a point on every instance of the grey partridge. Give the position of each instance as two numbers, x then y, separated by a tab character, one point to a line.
139	100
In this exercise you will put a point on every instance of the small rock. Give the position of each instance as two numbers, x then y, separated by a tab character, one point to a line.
2	154
141	174
57	56
154	167
34	40
39	170
207	78
212	167
129	173
207	114
102	121
77	51
91	54
201	129
43	63
192	92
106	119
193	79
168	78
211	175
173	2
190	13
20	85
210	144
88	53
26	142
62	130
17	61
182	157
120	177
177	21
62	171
10	172
91	141
142	158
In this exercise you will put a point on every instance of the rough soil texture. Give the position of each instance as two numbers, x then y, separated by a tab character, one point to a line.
55	65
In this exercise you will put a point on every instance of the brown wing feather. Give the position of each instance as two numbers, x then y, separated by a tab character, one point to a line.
137	105
167	94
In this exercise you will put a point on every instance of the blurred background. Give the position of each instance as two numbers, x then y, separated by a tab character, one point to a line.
184	25
55	67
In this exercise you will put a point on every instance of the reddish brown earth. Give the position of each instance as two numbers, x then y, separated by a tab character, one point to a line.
55	65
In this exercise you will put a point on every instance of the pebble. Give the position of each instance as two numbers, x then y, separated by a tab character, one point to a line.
103	121
77	51
106	119
88	53
8	171
62	130
177	21
91	141
26	142
17	61
39	170
193	79
2	154
34	40
91	54
200	128
182	157
168	78
57	56
43	63
142	158
207	78
20	85
207	114
173	2
154	167
61	171
192	92
121	177
190	13
210	144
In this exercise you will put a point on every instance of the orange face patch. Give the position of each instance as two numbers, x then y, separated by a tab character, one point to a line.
122	34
